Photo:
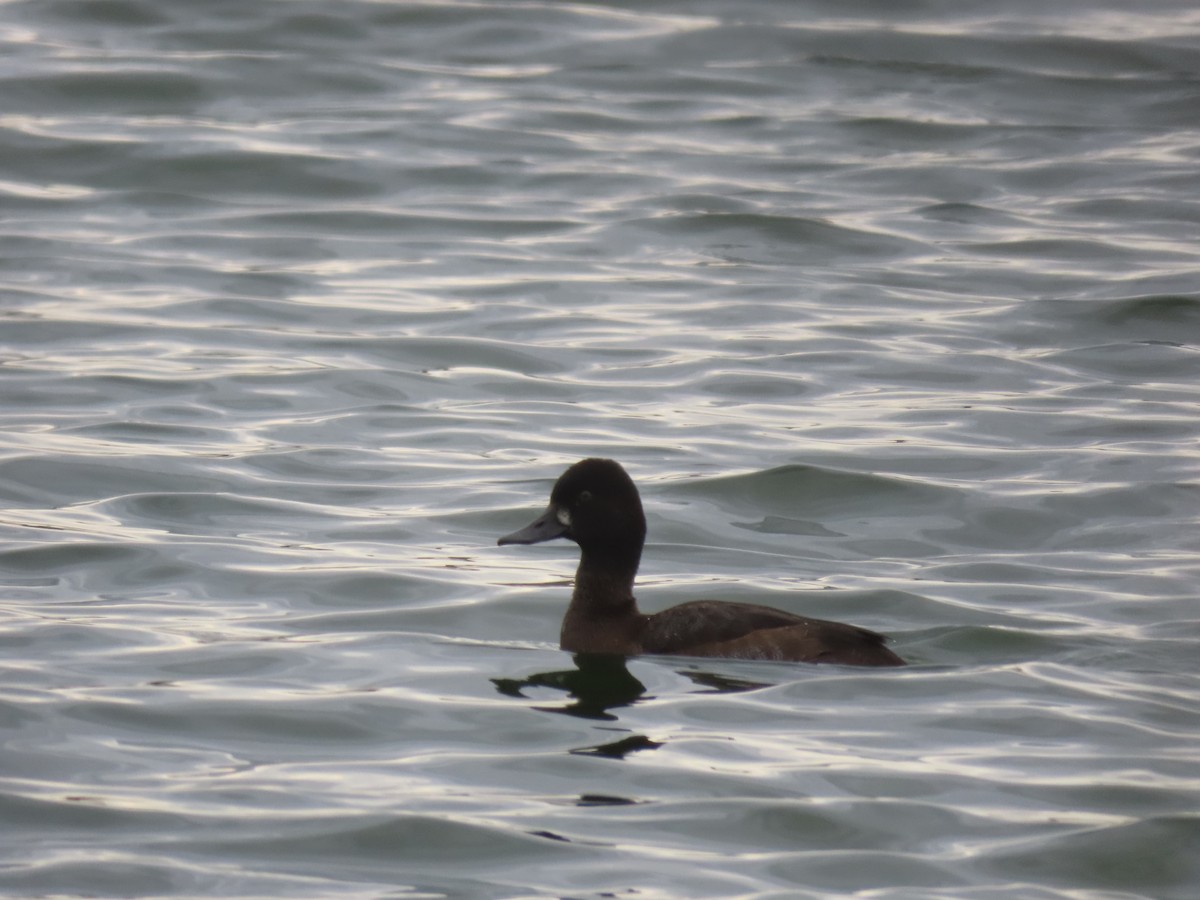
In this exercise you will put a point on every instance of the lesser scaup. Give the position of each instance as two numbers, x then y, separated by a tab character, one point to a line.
595	504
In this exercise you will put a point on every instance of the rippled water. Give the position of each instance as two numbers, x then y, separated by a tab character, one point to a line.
890	308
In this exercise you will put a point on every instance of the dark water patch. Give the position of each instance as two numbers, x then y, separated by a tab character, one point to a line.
1164	211
1061	250
1156	361
32	480
786	525
396	588
156	874
989	55
388	224
154	89
66	557
992	644
1155	501
899	135
1171	318
147	433
430	355
767	238
746	385
376	844
85	815
1148	855
898	871
116	13
262	312
306	721
202	513
40	332
47	156
322	465
320	29
969	214
233	175
785	489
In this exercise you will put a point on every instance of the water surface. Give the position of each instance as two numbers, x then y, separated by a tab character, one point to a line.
890	309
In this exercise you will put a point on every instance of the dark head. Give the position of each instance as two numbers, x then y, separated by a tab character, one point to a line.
595	504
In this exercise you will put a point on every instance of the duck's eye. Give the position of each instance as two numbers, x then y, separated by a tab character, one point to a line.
585	496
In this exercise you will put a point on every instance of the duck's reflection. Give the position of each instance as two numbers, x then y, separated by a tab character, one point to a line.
598	683
618	749
721	684
602	682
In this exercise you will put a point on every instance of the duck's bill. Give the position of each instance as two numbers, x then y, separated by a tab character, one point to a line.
545	527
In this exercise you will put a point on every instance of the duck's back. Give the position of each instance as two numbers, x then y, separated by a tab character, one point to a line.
747	631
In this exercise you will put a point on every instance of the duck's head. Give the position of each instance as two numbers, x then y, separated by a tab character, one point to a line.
595	504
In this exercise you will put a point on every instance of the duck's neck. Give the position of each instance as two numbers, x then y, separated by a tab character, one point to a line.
603	616
604	585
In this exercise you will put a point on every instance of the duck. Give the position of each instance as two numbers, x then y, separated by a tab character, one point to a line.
596	504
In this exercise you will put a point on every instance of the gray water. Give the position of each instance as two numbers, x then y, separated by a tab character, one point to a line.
892	309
